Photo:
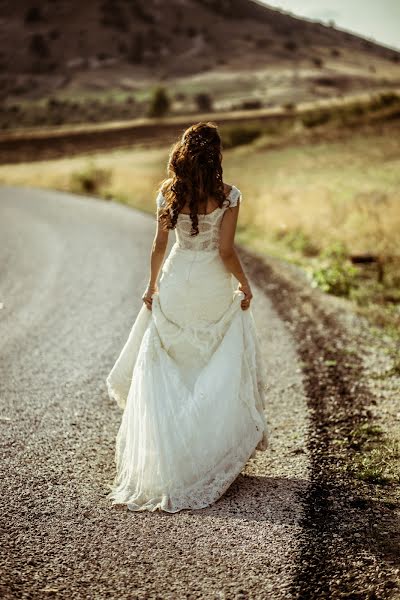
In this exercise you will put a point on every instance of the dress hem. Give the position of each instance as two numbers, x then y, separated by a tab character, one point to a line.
160	505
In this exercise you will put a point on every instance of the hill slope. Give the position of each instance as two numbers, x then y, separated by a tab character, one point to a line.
98	60
54	41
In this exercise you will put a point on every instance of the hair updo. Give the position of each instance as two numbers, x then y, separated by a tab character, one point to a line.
195	174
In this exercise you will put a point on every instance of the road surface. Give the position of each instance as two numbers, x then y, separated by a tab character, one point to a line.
72	271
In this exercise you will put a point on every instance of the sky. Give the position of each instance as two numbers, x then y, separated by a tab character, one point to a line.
379	20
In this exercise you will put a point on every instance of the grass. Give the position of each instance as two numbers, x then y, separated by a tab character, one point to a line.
127	176
344	191
376	457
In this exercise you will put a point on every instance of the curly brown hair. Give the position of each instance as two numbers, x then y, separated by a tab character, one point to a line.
195	174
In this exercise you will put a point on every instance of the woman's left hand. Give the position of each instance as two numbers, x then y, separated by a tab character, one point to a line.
147	295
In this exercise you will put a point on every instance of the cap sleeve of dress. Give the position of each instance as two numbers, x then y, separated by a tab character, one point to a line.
160	199
235	196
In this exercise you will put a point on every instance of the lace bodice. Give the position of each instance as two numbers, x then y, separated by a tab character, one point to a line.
209	225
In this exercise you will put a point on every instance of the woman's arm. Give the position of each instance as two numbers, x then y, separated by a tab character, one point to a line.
228	254
158	249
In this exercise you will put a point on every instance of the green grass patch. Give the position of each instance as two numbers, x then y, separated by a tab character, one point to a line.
334	273
298	241
375	457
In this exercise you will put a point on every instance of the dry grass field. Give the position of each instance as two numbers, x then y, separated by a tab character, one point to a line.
316	202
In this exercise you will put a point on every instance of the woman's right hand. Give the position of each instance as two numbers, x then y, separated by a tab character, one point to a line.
147	296
245	288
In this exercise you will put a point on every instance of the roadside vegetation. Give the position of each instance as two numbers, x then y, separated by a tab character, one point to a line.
375	457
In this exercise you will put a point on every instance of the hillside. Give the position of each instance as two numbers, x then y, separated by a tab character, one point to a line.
72	49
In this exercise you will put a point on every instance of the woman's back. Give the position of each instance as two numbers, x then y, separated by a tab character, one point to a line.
209	224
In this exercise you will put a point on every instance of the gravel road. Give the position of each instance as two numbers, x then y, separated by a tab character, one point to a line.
72	271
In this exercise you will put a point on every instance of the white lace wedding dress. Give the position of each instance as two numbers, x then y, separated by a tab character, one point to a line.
190	381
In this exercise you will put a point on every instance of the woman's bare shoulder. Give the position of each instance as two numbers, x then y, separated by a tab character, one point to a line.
227	189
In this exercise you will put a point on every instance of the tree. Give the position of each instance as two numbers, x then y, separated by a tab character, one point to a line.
291	45
33	15
136	50
204	102
159	104
39	46
318	62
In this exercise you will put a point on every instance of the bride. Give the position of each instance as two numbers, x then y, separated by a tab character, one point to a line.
190	377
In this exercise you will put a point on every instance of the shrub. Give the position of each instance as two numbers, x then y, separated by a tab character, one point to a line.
335	274
113	16
136	50
251	104
354	110
139	12
122	47
204	102
33	15
39	46
53	103
54	34
291	45
159	103
325	81
263	43
289	106
318	62
93	180
313	119
384	100
239	135
298	241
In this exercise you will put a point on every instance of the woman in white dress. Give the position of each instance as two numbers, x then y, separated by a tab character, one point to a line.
190	377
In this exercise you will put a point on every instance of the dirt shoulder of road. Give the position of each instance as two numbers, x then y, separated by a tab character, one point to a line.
351	379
